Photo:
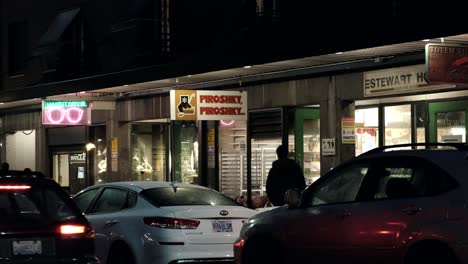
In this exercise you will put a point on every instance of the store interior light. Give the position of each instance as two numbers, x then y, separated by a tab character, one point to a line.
227	122
90	146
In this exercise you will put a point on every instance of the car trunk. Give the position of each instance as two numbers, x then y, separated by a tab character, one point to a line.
218	224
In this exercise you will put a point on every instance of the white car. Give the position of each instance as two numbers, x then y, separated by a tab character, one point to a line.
161	222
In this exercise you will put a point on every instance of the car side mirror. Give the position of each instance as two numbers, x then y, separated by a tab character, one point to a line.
293	198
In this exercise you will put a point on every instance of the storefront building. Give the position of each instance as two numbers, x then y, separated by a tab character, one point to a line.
324	120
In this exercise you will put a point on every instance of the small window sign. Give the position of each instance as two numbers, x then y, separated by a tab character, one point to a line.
328	147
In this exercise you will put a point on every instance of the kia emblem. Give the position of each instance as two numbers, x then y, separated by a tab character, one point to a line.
224	213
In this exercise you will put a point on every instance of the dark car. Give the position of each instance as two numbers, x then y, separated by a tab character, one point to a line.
405	206
39	223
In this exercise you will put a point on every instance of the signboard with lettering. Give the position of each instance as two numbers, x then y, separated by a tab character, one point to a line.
208	105
393	81
55	112
77	158
328	146
347	130
447	63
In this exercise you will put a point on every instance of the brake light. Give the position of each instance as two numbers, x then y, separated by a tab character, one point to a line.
72	229
14	187
76	231
238	246
171	223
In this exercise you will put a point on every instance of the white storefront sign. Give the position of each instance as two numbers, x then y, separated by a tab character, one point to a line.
328	146
208	105
398	80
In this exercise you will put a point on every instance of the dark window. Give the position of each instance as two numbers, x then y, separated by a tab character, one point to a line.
180	196
17	47
407	177
84	199
38	205
340	187
111	200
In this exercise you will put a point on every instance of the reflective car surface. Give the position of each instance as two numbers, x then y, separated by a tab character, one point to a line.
161	222
39	223
402	206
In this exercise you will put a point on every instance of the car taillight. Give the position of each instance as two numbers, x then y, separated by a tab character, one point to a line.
14	187
76	231
72	229
171	223
238	247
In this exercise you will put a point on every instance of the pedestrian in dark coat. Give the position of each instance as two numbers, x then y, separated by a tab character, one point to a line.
285	174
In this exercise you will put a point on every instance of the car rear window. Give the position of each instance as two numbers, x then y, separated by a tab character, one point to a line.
37	205
181	196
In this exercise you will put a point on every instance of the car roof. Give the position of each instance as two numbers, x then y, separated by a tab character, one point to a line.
33	178
143	185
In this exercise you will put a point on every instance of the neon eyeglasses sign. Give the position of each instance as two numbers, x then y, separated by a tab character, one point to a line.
64	112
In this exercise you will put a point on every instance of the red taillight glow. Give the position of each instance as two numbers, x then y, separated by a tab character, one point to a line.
238	247
171	223
72	229
14	187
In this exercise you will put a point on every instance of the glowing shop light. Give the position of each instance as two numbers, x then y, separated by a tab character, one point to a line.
73	115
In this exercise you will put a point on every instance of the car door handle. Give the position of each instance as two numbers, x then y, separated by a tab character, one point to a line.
110	223
412	210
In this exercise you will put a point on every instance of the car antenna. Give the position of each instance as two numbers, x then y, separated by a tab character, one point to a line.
174	186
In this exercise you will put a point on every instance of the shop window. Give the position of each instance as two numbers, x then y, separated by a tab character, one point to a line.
232	146
188	153
451	127
149	152
98	153
367	129
263	155
21	149
397	124
421	118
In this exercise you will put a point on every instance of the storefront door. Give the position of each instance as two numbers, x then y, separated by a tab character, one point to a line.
307	142
69	170
447	121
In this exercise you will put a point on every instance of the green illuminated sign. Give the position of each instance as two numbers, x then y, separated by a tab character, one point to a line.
63	104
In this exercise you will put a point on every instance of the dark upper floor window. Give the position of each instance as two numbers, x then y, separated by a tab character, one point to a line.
17	47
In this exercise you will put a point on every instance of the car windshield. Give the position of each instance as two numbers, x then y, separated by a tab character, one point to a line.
37	205
180	196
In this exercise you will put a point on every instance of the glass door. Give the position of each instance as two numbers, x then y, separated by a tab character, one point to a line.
447	121
307	142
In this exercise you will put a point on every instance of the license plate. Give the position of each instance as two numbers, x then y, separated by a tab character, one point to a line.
222	226
27	247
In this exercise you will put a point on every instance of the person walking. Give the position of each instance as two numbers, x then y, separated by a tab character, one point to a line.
284	174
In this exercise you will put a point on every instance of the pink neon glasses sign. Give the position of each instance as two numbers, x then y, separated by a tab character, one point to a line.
64	114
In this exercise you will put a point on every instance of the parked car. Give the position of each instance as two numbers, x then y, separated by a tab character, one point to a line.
161	222
403	206
39	223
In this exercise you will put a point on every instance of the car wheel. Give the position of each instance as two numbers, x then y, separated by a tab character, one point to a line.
432	252
120	253
262	251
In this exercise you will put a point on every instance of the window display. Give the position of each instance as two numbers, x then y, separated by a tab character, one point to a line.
149	152
397	124
451	127
367	129
188	152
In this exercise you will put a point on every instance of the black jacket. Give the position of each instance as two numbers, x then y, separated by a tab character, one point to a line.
285	174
